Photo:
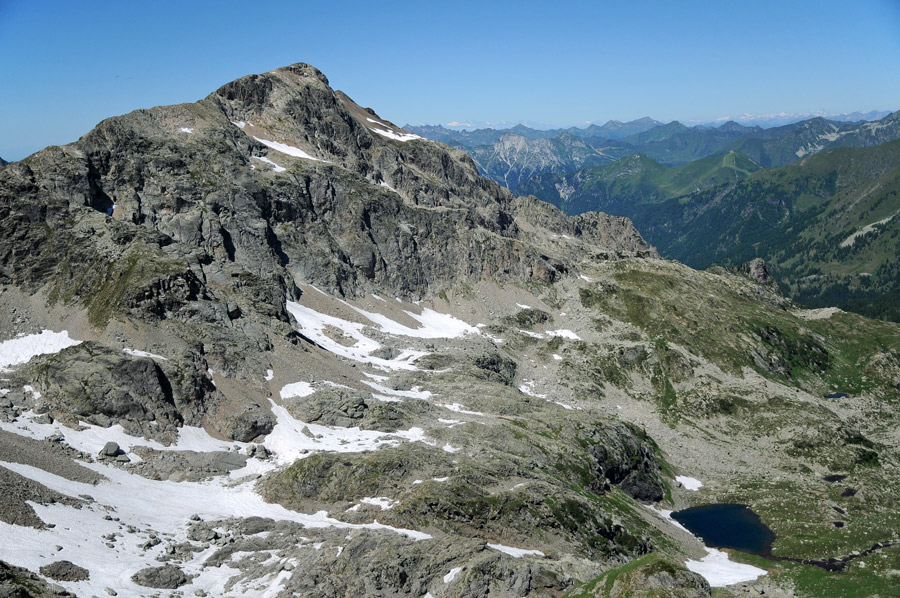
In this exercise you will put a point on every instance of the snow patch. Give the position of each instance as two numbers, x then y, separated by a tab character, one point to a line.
720	571
460	408
414	393
269	375
274	166
313	324
434	324
187	130
689	483
564	334
290	150
138	353
404	137
452	575
297	389
527	387
383	502
515	552
21	349
385	185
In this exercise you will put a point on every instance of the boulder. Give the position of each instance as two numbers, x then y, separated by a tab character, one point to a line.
167	577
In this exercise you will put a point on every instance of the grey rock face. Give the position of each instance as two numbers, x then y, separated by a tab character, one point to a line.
626	461
167	577
330	224
17	582
65	571
757	270
102	385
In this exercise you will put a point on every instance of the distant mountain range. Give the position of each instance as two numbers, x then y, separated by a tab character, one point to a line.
786	118
512	156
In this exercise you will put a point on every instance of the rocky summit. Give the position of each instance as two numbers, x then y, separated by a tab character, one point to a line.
271	344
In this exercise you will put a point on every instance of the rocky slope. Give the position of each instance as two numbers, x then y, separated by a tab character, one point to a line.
271	344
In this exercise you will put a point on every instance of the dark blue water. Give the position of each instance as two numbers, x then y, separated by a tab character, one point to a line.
837	395
728	526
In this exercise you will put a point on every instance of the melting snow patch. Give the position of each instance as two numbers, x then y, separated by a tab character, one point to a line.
137	353
460	408
530	333
269	375
527	388
290	150
719	571
313	323
516	552
452	575
380	501
21	349
404	137
274	166
434	324
291	438
565	334
689	483
297	389
413	393
450	449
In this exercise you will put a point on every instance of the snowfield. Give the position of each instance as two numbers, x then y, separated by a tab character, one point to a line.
720	571
21	349
148	506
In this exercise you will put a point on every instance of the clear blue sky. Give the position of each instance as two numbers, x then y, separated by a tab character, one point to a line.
67	65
